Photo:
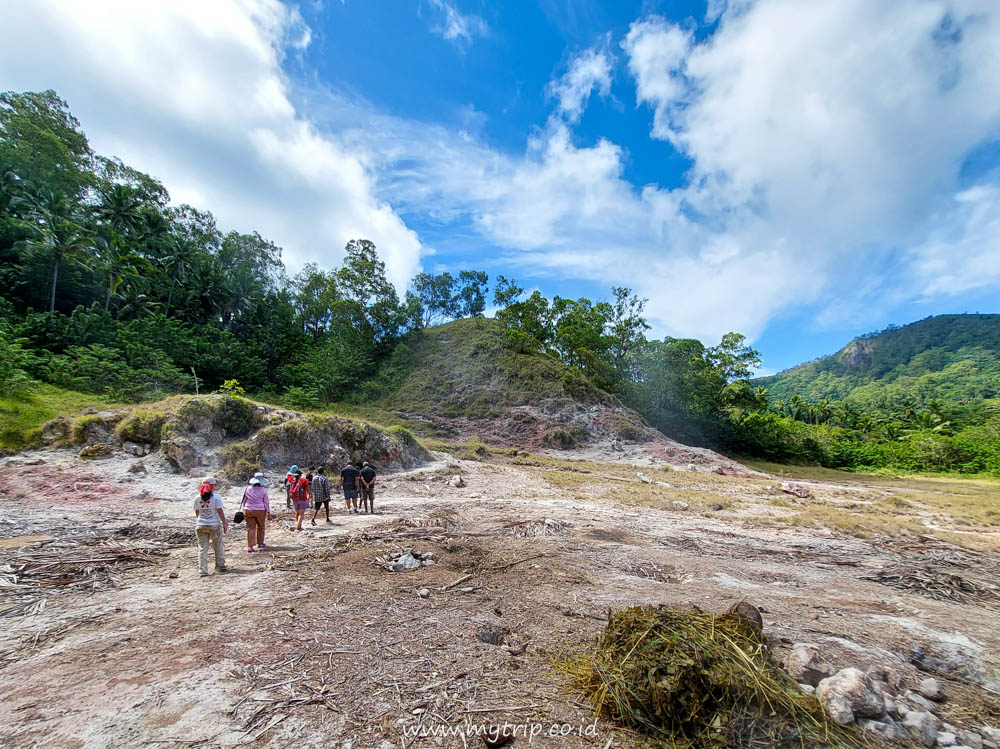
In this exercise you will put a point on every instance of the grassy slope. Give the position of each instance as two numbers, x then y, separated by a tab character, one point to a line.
467	368
949	357
21	419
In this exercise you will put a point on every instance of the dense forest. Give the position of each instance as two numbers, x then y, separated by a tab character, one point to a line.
109	288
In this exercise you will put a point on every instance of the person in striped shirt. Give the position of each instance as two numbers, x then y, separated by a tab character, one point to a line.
321	493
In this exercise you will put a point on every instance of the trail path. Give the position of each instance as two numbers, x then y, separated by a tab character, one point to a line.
314	644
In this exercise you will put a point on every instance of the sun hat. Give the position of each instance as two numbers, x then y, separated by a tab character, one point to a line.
210	480
254	481
293	469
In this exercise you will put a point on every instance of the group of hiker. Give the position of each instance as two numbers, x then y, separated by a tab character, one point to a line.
302	492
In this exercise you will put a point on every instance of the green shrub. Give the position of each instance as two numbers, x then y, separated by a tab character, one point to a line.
560	439
404	435
298	397
141	425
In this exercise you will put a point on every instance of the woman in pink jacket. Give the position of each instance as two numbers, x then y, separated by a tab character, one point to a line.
256	506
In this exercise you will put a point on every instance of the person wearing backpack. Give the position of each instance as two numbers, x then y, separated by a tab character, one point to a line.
301	496
320	485
288	482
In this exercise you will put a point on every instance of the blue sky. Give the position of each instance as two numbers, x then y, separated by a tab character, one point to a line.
799	172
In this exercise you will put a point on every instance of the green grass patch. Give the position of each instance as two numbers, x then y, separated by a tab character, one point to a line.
22	418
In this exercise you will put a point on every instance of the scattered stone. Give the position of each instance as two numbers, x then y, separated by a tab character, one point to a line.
138	449
457	481
715	507
405	562
807	689
174	575
678	505
853	687
749	612
423	593
797	489
891	708
970	738
990	737
137	467
644	478
98	450
920	702
921	726
946	738
804	664
885	727
931	689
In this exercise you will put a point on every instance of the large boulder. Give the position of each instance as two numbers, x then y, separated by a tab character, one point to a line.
850	694
806	666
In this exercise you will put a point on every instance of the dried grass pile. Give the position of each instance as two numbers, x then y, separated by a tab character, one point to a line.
696	680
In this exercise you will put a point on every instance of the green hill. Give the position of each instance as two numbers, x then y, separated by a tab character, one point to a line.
468	379
948	358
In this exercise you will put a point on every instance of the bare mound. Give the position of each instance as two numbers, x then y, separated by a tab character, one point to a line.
464	380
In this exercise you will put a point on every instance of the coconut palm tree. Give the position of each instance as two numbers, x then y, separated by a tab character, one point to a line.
120	209
54	221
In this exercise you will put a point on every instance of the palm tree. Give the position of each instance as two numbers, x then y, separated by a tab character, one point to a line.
119	263
134	303
120	208
181	254
57	233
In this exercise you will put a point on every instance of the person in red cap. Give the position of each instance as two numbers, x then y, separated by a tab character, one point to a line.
210	524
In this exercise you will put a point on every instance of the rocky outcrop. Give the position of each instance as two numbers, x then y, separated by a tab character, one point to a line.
805	665
321	440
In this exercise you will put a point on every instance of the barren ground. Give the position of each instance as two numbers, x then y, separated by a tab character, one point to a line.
314	644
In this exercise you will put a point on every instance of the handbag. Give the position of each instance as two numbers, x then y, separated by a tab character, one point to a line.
238	517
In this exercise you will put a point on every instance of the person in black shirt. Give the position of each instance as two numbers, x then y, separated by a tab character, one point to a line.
349	483
367	479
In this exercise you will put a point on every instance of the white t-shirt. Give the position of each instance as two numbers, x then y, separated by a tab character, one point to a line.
208	511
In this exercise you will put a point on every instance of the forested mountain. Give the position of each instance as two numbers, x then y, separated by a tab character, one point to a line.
948	357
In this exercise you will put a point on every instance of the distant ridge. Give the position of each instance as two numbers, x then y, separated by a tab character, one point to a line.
949	357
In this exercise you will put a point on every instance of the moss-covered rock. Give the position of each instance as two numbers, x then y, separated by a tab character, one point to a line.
98	450
321	440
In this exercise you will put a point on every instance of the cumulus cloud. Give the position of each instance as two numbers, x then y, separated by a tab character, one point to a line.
456	26
194	93
589	71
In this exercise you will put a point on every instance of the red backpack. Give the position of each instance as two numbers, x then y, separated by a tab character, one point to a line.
297	489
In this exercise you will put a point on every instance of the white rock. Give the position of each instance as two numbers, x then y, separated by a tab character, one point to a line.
931	689
920	702
405	562
807	689
886	727
839	709
970	738
921	726
423	592
856	688
805	665
891	709
678	505
946	738
457	481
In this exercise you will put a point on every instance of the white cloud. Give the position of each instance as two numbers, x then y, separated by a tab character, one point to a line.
589	71
456	26
194	93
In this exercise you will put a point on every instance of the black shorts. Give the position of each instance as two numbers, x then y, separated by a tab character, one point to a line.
320	502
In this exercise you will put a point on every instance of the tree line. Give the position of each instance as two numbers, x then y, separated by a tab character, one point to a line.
106	287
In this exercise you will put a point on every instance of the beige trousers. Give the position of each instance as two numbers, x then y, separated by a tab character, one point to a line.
210	536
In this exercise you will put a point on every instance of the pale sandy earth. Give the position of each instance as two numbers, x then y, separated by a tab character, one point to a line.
330	650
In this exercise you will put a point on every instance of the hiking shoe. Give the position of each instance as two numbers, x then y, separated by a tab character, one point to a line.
203	574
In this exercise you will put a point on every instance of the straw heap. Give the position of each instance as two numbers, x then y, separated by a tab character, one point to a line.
697	680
